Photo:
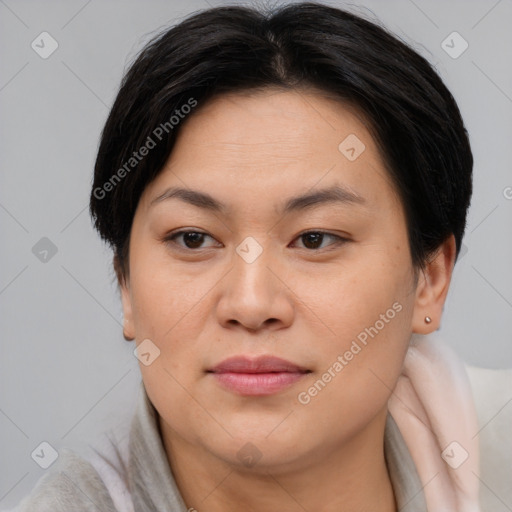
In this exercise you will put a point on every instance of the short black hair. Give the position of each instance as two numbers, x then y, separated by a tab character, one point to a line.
413	117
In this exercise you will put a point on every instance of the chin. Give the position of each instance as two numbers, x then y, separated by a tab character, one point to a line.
256	450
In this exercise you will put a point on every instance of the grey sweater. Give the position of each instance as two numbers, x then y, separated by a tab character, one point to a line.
73	483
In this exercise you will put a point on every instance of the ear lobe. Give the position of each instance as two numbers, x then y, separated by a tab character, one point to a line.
128	326
122	280
432	288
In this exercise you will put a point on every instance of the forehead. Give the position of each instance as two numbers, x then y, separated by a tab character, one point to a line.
261	144
272	117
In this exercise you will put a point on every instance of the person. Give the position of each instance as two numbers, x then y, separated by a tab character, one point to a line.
285	193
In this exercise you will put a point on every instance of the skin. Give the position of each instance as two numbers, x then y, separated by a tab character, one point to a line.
299	300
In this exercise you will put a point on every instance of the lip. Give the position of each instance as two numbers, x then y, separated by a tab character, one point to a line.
264	375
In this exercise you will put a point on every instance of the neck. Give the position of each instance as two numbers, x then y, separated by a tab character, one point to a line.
350	477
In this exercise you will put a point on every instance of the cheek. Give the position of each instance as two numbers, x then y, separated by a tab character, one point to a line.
352	296
171	306
360	365
166	308
364	316
162	294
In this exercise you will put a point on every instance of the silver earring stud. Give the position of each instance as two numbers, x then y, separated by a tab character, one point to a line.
428	319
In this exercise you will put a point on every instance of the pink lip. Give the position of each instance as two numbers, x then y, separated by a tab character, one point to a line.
264	375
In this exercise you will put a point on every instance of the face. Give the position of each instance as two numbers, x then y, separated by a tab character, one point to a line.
281	303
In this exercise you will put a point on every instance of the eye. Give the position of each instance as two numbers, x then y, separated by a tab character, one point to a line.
191	239
314	239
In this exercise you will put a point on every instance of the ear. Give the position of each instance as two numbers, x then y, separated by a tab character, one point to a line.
432	288
126	300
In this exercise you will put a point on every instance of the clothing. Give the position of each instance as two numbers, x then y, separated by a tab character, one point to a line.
432	406
76	484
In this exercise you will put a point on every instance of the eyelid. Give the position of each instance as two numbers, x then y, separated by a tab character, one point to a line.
339	239
170	237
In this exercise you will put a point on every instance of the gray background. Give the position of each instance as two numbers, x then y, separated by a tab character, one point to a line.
65	371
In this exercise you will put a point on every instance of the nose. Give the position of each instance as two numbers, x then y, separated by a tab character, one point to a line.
255	295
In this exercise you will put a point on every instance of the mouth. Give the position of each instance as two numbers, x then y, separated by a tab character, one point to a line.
265	375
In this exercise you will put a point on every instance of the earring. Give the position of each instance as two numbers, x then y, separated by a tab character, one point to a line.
428	319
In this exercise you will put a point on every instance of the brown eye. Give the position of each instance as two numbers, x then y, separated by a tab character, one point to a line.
191	239
314	239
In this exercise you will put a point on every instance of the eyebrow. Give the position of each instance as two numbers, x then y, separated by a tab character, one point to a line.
334	194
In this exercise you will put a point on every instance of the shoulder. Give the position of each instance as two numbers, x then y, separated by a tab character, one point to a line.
72	483
492	392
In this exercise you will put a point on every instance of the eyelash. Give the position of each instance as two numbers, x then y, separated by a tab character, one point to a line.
170	239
